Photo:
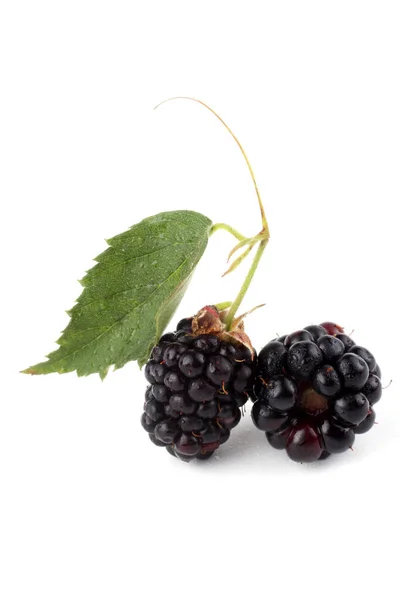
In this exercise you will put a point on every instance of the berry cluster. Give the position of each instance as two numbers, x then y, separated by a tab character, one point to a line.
198	383
315	389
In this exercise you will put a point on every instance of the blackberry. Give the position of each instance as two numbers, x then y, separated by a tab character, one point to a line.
326	381
367	424
298	336
331	347
316	331
373	389
199	378
352	408
313	391
272	358
304	443
346	340
354	371
279	392
303	358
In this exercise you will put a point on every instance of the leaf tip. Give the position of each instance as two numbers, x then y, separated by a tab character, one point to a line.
29	371
103	373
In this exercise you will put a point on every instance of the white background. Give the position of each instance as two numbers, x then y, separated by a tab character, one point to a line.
89	508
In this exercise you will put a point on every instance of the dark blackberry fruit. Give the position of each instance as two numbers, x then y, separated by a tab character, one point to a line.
187	445
331	347
303	359
326	381
172	354
185	325
154	410
225	435
160	392
266	418
170	412
243	374
324	455
167	431
155	372
198	382
210	434
200	390
182	404
354	371
367	424
278	439
167	337
377	372
206	343
148	394
190	424
366	355
336	438
241	399
272	359
147	423
174	381
373	389
352	408
205	454
207	410
298	336
228	417
219	370
279	393
346	340
192	363
312	395
316	331
304	443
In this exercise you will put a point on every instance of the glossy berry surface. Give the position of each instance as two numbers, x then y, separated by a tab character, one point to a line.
314	390
373	389
352	408
316	331
304	443
331	347
353	370
367	424
272	358
197	385
303	359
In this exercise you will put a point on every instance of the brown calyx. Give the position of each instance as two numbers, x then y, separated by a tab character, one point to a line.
211	321
207	320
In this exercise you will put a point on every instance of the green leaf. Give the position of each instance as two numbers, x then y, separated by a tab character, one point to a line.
130	295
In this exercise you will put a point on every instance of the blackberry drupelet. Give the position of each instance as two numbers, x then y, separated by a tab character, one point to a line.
198	384
314	391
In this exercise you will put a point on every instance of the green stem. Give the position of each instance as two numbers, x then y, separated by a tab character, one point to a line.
262	237
238	300
228	228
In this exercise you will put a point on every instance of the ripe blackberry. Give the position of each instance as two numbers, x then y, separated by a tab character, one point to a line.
314	390
199	376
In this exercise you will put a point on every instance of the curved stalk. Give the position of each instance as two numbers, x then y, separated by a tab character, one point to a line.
228	228
262	237
263	217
